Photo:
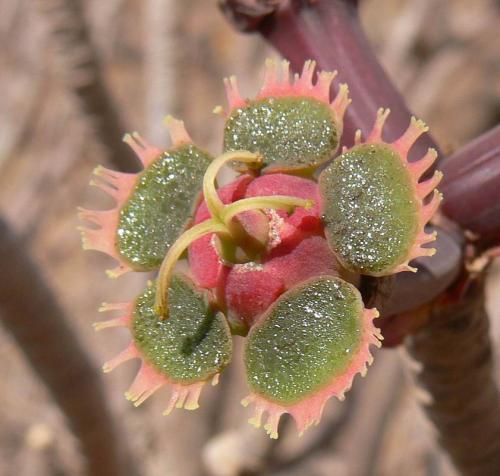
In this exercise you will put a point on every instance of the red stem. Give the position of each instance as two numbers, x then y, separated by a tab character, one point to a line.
471	185
329	32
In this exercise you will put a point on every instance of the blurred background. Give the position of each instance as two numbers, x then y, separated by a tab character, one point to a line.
169	56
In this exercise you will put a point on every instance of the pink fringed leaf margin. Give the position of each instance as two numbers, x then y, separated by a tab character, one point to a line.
309	410
119	186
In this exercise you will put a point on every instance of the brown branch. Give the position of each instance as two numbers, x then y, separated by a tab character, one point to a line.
456	371
82	72
31	313
246	15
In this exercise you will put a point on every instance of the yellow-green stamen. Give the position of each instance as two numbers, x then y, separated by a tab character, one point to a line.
212	199
173	255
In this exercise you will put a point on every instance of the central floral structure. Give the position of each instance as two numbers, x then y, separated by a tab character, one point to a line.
273	256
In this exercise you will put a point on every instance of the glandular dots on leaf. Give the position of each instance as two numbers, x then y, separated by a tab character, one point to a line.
370	209
192	345
290	132
160	205
307	339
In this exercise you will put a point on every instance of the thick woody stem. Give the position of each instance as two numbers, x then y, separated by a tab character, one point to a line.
455	370
83	76
403	292
31	313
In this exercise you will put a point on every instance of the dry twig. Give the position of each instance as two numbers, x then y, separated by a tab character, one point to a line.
82	71
31	313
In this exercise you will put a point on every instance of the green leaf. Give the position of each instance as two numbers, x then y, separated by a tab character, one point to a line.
160	205
305	341
192	345
290	132
370	209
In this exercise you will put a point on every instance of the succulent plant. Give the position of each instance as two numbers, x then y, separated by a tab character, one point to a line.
273	256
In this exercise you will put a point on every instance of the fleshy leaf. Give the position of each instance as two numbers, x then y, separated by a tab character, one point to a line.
373	205
291	123
152	207
307	348
185	351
